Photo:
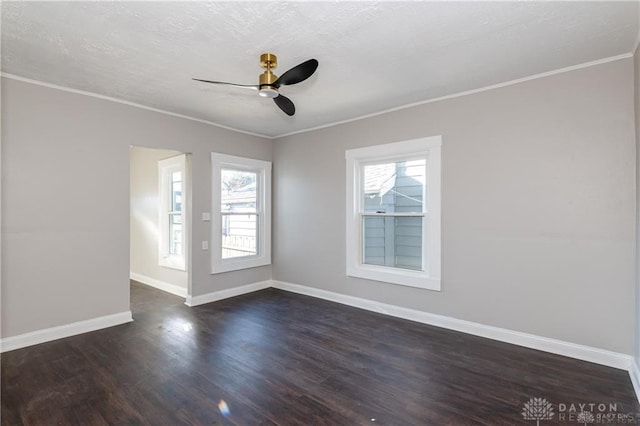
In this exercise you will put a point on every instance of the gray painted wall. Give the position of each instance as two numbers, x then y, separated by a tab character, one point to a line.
65	189
538	199
145	217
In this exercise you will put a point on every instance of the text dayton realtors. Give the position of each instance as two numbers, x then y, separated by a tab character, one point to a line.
603	411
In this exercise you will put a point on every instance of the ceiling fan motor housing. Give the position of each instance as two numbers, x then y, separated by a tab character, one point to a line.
267	78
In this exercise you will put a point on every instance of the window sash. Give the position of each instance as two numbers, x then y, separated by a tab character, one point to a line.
390	261
395	159
226	243
172	251
390	242
254	246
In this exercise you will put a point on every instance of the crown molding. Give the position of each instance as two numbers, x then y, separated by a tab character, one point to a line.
466	93
133	104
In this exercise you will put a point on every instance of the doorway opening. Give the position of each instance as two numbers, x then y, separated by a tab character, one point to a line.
160	231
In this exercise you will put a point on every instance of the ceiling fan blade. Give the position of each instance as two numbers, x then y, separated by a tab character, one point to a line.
242	86
285	104
298	73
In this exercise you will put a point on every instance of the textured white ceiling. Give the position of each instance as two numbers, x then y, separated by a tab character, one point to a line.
373	55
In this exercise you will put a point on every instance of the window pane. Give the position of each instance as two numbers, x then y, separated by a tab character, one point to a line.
175	234
176	191
393	241
239	191
175	218
394	187
239	235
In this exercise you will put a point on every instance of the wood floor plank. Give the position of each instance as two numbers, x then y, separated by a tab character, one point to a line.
278	358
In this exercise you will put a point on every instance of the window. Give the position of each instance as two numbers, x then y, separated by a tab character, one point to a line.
393	213
172	236
241	221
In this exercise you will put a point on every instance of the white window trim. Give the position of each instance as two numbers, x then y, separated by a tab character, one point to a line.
165	168
263	169
430	278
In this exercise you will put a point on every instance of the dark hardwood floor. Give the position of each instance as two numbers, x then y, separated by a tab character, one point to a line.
145	298
274	357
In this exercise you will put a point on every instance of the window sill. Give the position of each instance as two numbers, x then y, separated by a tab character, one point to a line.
238	264
395	276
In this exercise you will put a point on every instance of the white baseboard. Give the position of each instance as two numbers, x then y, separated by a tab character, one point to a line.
573	350
62	331
160	285
225	294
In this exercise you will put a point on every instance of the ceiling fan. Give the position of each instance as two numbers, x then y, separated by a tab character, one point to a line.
269	83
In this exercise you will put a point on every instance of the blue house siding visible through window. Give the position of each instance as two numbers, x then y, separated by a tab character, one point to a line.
239	218
394	241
